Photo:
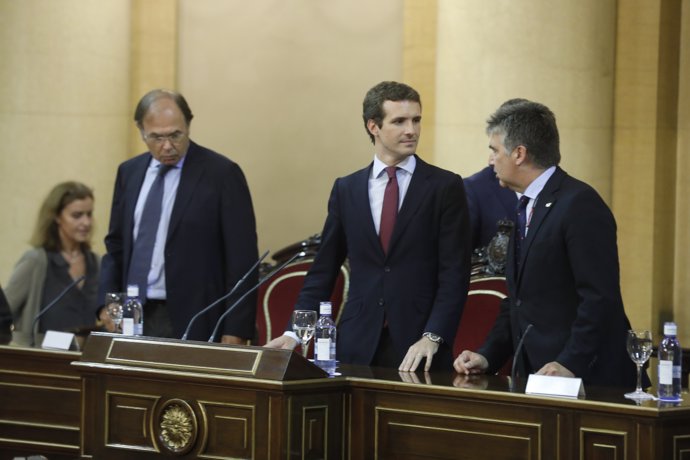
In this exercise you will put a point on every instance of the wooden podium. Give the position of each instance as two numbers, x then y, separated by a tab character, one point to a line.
145	396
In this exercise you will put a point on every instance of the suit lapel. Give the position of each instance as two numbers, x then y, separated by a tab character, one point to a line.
545	201
192	171
131	196
416	193
362	206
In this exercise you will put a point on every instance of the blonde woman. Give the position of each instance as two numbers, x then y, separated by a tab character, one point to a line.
61	254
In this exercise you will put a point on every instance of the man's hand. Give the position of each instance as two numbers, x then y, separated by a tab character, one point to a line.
233	340
284	341
556	369
106	321
423	348
469	362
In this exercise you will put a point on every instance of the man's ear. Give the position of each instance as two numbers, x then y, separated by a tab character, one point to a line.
372	127
520	154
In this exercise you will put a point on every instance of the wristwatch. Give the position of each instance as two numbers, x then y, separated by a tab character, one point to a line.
433	337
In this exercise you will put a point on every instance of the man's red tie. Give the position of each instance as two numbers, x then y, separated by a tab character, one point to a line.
390	208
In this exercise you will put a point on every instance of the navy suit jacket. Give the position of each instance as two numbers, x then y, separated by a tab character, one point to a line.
211	240
488	203
420	286
568	288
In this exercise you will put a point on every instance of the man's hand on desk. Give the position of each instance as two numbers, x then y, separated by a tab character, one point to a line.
423	348
233	340
556	369
284	341
469	362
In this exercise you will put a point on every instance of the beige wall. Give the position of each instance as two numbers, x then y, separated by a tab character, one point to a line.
561	56
278	86
64	107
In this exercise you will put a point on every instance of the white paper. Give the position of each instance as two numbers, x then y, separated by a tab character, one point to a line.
548	385
57	340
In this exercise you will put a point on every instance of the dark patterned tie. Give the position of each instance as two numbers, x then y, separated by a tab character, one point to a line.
389	212
140	264
521	221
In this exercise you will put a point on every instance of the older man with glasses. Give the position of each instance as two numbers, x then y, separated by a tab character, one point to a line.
182	227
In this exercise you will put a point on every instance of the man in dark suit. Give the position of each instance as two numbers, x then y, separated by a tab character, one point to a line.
203	241
407	289
563	276
488	203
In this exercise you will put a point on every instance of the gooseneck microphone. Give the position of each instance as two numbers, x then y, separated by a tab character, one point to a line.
52	304
232	291
517	355
239	301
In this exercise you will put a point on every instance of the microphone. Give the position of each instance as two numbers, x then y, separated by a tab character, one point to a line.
239	301
51	304
232	291
517	355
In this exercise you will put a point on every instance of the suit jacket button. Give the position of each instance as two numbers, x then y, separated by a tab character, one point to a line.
381	302
518	302
387	269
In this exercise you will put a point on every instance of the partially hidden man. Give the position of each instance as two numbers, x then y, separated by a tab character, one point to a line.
404	226
182	227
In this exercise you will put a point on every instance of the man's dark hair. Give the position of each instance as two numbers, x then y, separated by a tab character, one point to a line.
372	107
530	124
152	96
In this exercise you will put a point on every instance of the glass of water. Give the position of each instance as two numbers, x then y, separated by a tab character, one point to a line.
304	325
114	302
639	346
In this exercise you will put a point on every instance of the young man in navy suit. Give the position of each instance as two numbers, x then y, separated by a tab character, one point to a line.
409	276
205	233
563	280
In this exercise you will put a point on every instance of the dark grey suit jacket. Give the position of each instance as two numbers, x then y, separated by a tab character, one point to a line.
488	203
211	240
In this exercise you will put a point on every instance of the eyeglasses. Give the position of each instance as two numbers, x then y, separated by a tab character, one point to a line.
160	139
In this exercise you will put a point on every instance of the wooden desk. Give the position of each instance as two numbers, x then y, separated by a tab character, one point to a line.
40	403
110	410
444	416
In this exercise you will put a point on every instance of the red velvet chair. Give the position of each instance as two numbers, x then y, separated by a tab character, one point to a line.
478	317
277	297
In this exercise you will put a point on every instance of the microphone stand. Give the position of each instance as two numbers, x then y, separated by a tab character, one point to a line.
50	305
233	306
232	291
516	357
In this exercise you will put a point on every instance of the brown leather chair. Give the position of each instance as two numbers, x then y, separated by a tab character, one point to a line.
277	297
481	309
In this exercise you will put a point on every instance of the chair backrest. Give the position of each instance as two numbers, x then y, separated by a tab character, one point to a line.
277	297
481	309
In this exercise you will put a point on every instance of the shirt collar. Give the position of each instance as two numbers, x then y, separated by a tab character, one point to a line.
155	164
408	164
534	189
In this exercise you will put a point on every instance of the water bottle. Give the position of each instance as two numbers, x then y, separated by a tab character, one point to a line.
325	337
133	313
670	359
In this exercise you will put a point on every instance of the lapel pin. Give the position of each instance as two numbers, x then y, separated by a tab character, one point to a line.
548	205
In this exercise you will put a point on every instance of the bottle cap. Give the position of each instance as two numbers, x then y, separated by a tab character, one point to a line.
133	291
670	329
325	308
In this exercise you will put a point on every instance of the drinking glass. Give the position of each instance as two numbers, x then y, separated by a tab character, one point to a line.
114	302
304	325
639	346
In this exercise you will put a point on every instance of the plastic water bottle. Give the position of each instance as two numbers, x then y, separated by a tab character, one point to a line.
325	338
133	313
670	359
